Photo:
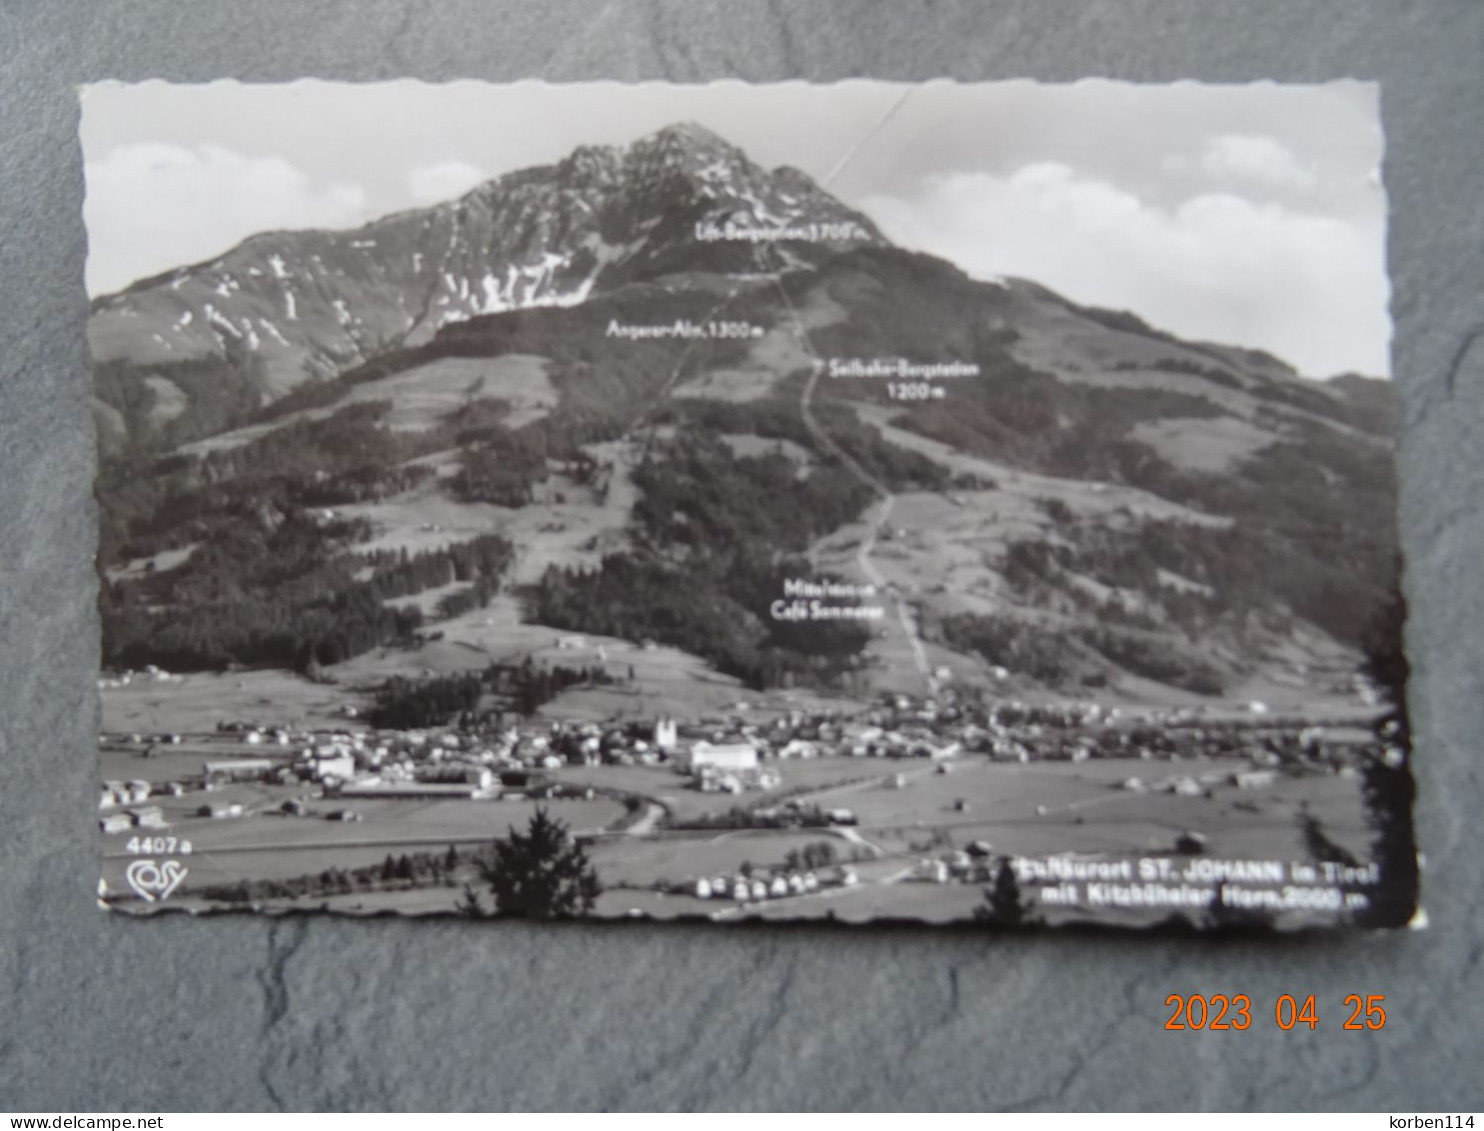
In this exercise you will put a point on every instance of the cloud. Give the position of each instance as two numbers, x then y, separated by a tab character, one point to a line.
444	181
1310	289
1247	161
152	206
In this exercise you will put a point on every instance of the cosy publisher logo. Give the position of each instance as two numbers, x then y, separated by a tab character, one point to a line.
155	882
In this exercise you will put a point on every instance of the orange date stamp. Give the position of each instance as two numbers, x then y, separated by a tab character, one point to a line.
1234	1011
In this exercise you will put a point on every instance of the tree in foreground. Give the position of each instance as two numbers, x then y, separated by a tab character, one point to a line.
539	874
1003	903
1221	915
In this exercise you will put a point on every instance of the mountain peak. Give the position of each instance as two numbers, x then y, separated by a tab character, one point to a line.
691	151
295	306
687	135
686	148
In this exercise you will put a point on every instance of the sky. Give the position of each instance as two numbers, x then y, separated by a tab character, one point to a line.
1250	215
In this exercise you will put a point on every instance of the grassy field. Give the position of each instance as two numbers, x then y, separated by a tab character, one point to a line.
421	397
665	681
195	703
159	763
640	861
1030	810
748	444
1200	444
265	843
672	789
1035	809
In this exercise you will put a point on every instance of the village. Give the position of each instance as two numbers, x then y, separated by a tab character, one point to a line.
729	810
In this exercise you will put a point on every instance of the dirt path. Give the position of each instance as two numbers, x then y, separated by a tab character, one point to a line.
879	489
645	824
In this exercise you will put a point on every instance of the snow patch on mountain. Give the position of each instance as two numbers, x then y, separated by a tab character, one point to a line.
221	322
551	236
494	303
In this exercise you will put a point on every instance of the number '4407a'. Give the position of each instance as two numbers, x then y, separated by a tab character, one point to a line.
157	846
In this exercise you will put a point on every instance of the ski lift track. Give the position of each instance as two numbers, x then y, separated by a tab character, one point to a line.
880	489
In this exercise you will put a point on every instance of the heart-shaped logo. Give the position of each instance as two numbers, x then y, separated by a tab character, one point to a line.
155	881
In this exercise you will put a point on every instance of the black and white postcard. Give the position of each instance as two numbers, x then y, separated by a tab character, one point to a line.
958	503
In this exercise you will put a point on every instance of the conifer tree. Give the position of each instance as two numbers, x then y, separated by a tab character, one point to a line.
541	873
1003	903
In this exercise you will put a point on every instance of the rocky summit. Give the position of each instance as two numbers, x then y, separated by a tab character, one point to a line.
283	308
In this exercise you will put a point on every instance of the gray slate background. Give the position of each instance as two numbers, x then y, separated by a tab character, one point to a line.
104	1013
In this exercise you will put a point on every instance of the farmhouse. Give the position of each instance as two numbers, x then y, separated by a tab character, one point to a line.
1254	779
148	817
797	748
116	793
337	766
237	769
461	773
424	790
704	755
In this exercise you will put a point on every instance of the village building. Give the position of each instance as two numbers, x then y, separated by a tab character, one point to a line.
798	748
1254	779
666	735
237	769
459	773
148	817
720	756
413	790
341	767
